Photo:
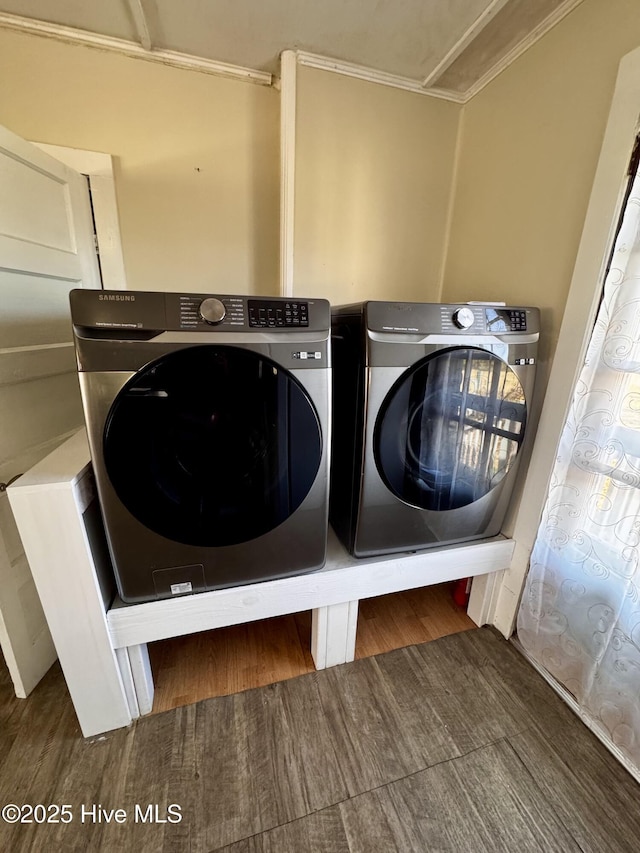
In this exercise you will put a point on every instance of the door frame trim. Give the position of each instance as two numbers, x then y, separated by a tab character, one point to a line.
98	168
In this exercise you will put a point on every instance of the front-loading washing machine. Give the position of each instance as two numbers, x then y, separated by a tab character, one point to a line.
431	406
208	418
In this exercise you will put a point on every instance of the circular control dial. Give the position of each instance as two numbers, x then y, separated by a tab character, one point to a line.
212	310
463	318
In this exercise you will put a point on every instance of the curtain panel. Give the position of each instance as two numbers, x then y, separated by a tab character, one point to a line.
580	613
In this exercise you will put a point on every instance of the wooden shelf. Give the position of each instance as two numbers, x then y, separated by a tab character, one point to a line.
343	579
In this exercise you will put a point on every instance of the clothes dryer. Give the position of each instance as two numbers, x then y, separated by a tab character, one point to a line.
430	410
208	424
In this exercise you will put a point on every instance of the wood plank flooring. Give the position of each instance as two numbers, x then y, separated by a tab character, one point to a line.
229	660
452	745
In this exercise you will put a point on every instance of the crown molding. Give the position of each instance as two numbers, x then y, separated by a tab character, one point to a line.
133	50
324	63
370	75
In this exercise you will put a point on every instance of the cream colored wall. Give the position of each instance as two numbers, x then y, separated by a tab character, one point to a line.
529	146
196	158
197	168
374	174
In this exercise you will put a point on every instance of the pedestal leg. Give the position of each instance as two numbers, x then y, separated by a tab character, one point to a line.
333	634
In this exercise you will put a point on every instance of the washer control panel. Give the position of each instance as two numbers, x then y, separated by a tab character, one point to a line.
269	313
143	314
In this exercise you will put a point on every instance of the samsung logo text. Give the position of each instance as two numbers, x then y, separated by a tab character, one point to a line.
116	297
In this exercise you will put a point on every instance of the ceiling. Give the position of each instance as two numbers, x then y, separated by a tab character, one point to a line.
452	47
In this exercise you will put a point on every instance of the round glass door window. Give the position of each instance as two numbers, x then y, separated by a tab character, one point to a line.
450	429
212	445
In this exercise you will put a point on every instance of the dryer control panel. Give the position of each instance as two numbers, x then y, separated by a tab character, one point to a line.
505	319
463	319
484	319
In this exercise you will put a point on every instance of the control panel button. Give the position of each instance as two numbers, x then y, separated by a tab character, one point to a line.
501	320
212	311
266	313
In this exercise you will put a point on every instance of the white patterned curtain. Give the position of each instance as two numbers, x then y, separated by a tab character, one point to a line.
580	613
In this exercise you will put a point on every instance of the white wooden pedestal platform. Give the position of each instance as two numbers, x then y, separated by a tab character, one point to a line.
102	643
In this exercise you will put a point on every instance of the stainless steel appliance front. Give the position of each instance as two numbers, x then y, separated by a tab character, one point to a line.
208	419
431	406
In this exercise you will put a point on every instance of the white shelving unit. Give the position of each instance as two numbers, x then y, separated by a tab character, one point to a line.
102	644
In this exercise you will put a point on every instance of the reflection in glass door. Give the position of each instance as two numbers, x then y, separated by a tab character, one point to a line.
450	429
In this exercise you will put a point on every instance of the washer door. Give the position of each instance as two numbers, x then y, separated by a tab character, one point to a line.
212	445
450	428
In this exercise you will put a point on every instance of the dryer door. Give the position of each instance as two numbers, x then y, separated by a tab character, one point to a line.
212	445
450	428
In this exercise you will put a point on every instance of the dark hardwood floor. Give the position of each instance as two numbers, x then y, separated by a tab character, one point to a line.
451	745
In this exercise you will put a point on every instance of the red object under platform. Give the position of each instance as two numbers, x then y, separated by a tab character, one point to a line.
462	591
